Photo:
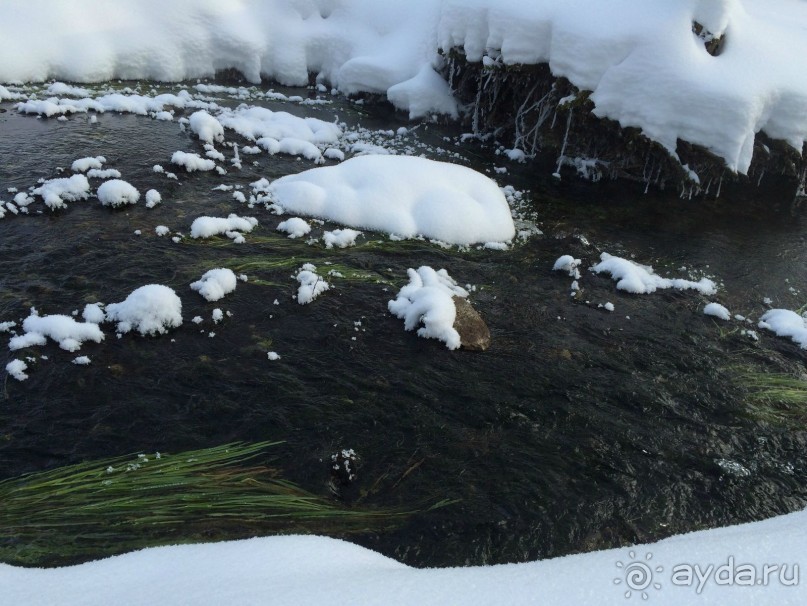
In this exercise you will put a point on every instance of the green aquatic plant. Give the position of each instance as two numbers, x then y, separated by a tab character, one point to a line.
775	397
100	508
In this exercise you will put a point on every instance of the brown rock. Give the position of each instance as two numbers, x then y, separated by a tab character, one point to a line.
474	333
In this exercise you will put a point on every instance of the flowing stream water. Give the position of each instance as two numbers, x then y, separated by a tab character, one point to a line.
578	429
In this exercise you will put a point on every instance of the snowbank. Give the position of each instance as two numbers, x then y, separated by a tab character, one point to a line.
215	283
117	193
317	570
641	60
150	309
404	195
68	333
427	299
640	279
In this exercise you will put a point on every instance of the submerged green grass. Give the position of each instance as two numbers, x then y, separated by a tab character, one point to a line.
775	397
100	508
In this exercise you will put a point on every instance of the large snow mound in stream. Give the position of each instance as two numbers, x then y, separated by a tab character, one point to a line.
403	195
639	57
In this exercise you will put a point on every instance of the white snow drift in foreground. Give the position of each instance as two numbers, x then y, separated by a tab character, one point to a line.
641	61
427	299
717	310
117	193
215	284
404	195
640	279
317	571
786	323
150	310
233	227
311	284
68	333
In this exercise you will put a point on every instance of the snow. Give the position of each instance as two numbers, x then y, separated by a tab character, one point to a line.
93	313
206	127
162	230
404	195
82	165
205	227
192	162
568	264
640	279
150	309
717	310
643	64
318	570
108	173
341	238
68	333
295	227
272	355
117	193
56	191
427	299
81	360
215	284
277	131
153	198
786	323
311	284
217	315
17	368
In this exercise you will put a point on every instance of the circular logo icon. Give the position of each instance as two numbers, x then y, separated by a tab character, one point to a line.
637	575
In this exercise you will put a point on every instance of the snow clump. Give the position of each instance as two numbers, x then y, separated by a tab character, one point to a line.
206	127
640	279
82	165
17	368
786	323
68	333
232	227
117	193
295	227
428	299
717	310
311	284
56	191
568	264
93	313
81	361
215	283
341	238
150	309
192	162
153	198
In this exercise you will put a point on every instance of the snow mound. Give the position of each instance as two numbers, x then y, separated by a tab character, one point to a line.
717	310
93	313
568	264
786	323
640	279
68	333
17	368
206	127
56	191
295	227
268	128
232	226
340	238
404	195
117	193
215	283
81	360
150	309
192	162
311	284
428	299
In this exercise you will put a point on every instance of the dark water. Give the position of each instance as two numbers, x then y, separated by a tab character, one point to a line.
577	430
